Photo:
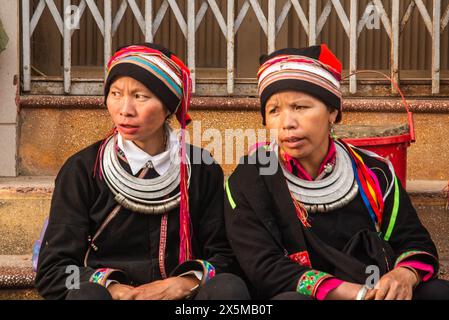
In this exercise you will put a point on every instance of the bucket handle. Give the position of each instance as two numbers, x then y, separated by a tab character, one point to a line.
404	101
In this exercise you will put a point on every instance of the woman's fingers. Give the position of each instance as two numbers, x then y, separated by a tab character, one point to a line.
394	286
382	290
409	295
406	293
371	294
392	293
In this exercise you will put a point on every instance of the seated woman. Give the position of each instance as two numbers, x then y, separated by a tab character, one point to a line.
132	217
310	217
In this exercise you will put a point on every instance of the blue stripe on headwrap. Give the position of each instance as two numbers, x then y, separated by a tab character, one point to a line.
160	72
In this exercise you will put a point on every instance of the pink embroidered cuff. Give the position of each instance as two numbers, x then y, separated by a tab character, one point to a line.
326	287
425	271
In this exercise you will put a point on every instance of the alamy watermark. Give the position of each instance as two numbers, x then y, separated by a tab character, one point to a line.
230	146
73	14
374	276
72	281
371	17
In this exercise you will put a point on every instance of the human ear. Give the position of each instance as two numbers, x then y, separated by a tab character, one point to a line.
333	115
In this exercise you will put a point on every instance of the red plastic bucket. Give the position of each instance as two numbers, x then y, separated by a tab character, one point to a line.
394	148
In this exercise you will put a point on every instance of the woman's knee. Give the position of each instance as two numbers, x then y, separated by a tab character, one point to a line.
436	289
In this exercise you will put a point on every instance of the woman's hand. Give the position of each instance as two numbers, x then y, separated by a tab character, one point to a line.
118	291
397	284
345	291
175	288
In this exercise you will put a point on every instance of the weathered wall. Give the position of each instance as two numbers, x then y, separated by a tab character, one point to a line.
9	68
49	136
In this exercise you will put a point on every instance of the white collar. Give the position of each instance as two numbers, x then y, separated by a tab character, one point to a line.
137	158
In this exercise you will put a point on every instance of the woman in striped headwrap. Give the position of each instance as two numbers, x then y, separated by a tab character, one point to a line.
132	217
311	217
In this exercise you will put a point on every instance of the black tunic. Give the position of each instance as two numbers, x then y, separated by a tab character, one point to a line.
264	230
130	242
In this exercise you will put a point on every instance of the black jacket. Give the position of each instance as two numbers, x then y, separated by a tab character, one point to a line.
264	231
130	242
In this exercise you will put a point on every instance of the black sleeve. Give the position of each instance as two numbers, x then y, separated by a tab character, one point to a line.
66	238
268	268
408	237
211	225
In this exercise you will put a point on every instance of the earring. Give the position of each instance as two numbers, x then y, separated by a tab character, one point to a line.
332	130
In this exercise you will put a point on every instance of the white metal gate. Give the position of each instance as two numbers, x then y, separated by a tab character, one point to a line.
436	22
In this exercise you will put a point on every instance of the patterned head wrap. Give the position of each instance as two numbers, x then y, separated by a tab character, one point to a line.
313	70
158	69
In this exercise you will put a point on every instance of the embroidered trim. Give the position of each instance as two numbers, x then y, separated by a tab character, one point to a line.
162	245
302	258
100	276
208	270
310	281
301	212
229	195
409	254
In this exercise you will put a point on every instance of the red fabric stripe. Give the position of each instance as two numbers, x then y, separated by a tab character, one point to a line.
328	58
365	178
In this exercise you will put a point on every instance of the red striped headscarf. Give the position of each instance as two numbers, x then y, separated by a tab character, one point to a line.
314	70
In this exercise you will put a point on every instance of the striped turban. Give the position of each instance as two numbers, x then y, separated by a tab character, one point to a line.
313	70
155	67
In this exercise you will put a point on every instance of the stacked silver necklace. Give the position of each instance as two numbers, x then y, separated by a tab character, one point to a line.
148	196
330	193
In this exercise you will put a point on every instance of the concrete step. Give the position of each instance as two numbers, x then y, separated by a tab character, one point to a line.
428	192
17	278
430	202
24	204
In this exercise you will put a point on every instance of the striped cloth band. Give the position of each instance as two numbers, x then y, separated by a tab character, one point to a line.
156	63
297	68
313	70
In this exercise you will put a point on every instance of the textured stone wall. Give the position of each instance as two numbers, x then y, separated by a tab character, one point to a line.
49	136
